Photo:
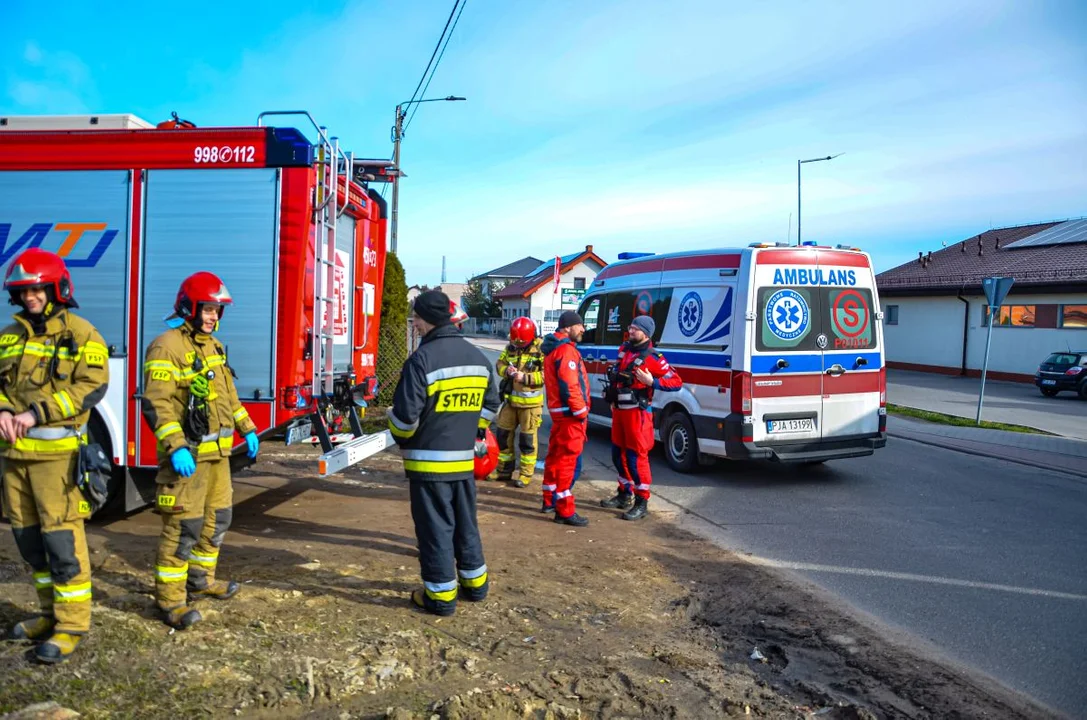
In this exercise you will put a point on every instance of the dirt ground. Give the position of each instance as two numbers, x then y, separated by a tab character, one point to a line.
617	620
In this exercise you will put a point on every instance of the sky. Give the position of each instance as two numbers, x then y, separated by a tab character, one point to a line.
628	125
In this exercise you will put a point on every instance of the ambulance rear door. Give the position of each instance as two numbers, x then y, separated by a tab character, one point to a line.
850	340
786	361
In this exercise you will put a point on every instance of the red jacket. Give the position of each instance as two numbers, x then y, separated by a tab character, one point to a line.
665	378
565	379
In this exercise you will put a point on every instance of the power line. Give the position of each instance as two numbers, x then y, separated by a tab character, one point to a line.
436	48
436	64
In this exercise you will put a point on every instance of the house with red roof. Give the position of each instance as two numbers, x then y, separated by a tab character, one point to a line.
935	314
534	294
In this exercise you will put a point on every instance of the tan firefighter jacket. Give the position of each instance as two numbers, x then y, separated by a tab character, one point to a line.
173	360
528	360
58	374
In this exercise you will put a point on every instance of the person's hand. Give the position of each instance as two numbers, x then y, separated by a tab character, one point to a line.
511	371
252	444
643	376
23	422
183	462
519	377
7	427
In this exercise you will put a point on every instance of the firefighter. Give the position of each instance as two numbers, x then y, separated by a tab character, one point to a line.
54	367
640	370
191	403
521	368
568	403
443	404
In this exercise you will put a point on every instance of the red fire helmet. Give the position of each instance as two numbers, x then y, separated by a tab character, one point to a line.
40	267
485	464
198	288
522	331
458	315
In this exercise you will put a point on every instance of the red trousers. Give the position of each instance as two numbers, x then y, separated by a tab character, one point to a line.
564	447
631	441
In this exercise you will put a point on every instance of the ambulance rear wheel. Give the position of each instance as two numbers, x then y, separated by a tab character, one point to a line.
680	442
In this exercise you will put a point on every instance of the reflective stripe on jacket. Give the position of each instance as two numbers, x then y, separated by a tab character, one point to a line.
565	378
638	394
447	391
58	372
528	360
169	368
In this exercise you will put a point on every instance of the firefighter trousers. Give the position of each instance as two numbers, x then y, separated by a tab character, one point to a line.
563	462
631	442
196	513
447	532
47	510
510	418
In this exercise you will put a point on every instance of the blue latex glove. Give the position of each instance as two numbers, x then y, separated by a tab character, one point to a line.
183	463
252	444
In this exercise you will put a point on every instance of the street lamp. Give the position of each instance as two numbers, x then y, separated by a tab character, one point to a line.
398	134
798	164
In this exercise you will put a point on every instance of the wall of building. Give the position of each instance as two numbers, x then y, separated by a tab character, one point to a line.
544	300
929	335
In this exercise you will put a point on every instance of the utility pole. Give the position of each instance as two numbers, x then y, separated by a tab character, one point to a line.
398	135
798	164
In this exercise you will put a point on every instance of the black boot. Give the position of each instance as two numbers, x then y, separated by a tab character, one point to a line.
545	508
575	520
622	500
639	511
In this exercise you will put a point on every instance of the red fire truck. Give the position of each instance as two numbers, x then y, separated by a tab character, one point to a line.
292	226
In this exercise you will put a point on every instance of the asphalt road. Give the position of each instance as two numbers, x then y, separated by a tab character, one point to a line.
984	559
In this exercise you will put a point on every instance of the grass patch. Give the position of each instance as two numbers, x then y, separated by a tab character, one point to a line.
943	419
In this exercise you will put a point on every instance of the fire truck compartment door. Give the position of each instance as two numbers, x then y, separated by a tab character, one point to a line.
222	221
83	216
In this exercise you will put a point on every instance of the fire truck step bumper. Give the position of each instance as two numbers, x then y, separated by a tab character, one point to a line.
352	452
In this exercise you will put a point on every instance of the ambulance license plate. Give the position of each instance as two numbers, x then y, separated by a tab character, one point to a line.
790	426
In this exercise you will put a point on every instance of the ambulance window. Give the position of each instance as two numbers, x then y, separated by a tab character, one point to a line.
662	303
625	305
590	313
789	319
849	318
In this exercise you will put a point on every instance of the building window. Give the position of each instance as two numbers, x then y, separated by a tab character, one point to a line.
1074	316
552	315
1011	316
579	283
891	316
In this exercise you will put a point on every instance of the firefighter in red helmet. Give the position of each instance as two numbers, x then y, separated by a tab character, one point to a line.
54	367
521	368
191	404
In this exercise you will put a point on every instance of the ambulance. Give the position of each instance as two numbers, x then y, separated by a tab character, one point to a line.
780	349
277	209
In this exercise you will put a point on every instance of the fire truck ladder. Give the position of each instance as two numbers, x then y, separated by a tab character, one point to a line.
331	162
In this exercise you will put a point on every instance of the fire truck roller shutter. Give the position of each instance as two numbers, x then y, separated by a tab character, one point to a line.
223	221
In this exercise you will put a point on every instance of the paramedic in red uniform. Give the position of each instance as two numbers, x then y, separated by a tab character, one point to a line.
567	388
641	370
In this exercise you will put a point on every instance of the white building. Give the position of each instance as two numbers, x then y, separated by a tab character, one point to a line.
534	295
935	313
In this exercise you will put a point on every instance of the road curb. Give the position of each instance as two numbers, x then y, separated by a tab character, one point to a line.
952	445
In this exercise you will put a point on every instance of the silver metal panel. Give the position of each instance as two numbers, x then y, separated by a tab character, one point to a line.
1073	231
222	221
83	216
345	243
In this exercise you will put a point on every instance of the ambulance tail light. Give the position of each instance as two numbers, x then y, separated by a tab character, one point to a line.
297	397
741	393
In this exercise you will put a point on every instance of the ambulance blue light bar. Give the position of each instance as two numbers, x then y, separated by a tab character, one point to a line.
632	255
